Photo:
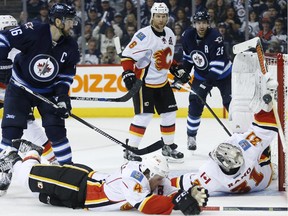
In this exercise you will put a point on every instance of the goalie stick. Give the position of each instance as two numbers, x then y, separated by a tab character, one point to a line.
255	43
151	148
204	102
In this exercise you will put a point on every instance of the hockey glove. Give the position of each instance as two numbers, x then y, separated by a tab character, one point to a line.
184	202
129	78
204	89
200	194
64	104
50	200
179	73
5	71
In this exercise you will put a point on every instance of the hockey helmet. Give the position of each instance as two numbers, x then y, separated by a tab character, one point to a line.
227	156
157	165
61	11
201	15
7	21
160	8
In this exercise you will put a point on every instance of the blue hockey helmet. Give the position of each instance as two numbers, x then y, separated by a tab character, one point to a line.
61	11
200	16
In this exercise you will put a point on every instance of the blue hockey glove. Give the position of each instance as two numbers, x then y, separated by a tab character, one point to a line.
64	104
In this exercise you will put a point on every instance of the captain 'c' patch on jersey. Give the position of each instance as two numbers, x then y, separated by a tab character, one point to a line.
199	59
43	68
160	57
137	175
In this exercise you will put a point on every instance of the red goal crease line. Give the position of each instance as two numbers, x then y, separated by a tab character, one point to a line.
236	208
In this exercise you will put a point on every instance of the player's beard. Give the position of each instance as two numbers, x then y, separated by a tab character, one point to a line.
159	27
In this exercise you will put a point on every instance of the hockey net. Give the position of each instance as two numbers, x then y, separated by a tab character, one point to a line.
278	65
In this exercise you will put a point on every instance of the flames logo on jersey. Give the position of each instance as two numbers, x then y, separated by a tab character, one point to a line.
43	68
199	59
160	57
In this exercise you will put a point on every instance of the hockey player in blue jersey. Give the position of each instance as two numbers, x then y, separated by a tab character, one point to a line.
203	48
46	65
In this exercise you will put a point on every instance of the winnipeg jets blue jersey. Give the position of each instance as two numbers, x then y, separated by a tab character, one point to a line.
41	66
207	55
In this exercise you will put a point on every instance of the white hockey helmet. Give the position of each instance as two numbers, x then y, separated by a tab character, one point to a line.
7	21
227	156
160	8
157	165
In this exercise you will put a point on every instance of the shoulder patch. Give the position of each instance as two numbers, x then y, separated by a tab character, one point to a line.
244	144
137	175
141	36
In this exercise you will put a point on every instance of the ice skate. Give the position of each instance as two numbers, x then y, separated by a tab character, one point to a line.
191	143
130	156
25	146
8	159
172	155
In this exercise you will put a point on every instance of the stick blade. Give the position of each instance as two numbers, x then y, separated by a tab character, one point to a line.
246	45
153	147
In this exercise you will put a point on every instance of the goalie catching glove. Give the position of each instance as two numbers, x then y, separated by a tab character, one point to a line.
180	76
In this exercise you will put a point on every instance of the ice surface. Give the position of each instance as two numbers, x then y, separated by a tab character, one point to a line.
101	154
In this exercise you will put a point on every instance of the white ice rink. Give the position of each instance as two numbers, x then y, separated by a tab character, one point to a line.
101	154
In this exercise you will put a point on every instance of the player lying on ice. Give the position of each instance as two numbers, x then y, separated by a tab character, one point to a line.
140	185
242	163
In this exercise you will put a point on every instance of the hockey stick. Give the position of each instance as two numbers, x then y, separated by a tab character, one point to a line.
140	64
137	85
236	208
204	102
256	44
155	146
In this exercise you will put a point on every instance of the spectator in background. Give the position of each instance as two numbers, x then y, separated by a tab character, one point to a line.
178	52
33	8
87	35
213	22
118	25
265	33
105	39
279	35
129	32
220	7
129	8
233	24
43	14
253	25
130	20
93	18
273	47
173	8
23	18
78	9
182	19
110	56
91	53
145	13
107	12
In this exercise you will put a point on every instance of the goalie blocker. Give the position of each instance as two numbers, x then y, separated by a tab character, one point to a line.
251	91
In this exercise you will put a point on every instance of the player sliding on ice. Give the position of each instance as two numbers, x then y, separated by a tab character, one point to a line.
242	163
140	185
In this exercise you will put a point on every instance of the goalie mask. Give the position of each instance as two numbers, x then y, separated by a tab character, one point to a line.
7	21
227	156
156	164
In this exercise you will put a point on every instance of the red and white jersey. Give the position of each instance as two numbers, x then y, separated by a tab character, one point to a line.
128	188
256	172
162	48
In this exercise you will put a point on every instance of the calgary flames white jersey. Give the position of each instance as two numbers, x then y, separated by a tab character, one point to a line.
162	48
128	188
256	172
